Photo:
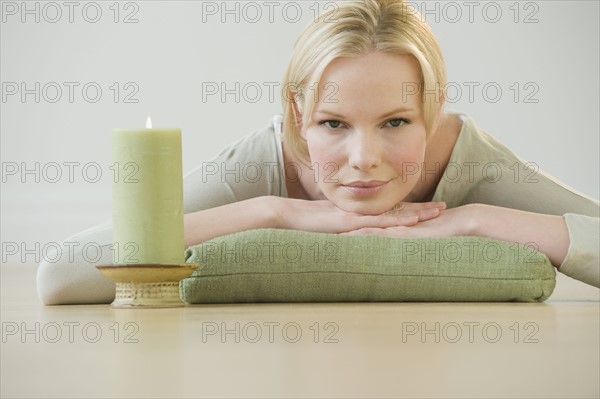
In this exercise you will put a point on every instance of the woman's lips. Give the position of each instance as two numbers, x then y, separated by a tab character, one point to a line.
365	188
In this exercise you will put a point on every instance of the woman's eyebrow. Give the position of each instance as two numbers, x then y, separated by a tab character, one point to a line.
396	111
387	114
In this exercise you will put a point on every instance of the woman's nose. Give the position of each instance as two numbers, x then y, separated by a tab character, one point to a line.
364	151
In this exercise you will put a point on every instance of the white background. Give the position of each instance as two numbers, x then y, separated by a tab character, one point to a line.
176	47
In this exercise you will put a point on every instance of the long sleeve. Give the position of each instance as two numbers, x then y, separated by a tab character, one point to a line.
492	174
248	168
582	261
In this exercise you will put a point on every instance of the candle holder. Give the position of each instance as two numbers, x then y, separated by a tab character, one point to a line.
147	285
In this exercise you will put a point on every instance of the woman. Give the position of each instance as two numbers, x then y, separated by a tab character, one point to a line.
365	147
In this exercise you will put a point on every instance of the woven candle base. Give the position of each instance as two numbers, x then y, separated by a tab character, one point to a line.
150	286
155	294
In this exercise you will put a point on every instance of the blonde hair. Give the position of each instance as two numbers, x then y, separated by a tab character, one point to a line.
351	29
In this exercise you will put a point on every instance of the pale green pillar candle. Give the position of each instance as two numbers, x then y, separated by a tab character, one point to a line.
147	196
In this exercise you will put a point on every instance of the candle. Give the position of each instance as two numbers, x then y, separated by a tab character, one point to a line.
147	196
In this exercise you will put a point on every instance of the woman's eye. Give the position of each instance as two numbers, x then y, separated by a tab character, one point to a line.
333	124
397	122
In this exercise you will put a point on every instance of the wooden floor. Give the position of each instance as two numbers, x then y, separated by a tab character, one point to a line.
301	350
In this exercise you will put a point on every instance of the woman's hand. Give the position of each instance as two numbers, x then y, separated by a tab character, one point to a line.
459	221
324	217
546	233
294	214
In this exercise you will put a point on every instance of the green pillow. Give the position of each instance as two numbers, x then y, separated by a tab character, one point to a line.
272	265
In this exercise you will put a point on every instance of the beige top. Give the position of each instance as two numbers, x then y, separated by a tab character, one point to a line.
480	170
501	178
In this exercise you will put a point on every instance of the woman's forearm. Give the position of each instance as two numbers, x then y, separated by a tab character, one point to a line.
295	214
250	214
548	233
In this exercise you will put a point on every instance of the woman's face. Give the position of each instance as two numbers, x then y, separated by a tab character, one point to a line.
366	137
